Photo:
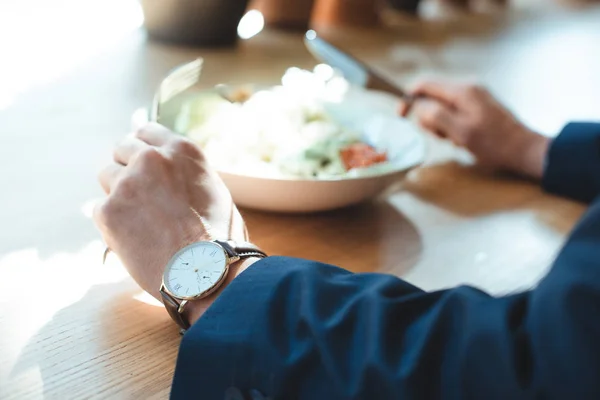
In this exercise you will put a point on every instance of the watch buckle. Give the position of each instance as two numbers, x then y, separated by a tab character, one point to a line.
181	305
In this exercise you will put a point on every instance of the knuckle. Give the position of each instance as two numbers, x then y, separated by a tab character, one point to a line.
436	112
105	213
431	115
186	147
126	188
427	120
150	156
139	133
474	90
424	119
143	130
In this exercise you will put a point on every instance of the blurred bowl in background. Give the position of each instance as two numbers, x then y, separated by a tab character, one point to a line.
206	23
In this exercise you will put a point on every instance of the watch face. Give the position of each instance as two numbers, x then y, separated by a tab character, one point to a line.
195	269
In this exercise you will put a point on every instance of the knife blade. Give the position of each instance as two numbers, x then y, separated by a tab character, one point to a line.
355	71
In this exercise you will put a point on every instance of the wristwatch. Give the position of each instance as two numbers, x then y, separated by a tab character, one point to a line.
198	270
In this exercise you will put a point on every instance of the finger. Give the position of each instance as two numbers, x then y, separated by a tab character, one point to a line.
126	151
109	176
448	93
406	105
404	108
100	218
436	117
155	134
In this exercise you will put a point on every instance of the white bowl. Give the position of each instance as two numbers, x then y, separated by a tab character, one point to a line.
380	125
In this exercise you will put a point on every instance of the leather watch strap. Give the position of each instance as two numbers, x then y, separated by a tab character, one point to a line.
172	307
241	249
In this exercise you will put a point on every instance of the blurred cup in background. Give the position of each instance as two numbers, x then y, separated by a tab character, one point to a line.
285	14
205	23
356	13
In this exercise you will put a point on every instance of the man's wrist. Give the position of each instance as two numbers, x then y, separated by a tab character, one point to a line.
195	309
530	153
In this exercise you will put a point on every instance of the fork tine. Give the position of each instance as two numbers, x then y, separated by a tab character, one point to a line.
175	86
180	80
190	66
177	81
180	74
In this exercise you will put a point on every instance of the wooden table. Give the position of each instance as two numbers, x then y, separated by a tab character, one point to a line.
71	328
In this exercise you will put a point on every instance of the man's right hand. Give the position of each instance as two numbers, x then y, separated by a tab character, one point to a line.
161	196
471	117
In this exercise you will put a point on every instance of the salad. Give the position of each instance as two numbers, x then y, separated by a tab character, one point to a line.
294	130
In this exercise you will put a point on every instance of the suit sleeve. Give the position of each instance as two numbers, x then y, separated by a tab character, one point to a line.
573	162
296	329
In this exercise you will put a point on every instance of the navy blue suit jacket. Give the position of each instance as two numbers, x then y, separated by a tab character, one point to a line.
297	329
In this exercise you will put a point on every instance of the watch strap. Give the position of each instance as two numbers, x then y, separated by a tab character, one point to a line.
241	249
172	306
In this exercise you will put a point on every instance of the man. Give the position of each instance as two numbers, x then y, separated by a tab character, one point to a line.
290	328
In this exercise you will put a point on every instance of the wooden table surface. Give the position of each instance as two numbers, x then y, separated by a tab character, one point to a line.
71	328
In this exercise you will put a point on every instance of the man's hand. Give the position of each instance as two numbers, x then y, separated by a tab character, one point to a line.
155	181
470	117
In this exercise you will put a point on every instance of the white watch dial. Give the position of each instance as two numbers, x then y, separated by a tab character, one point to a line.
195	269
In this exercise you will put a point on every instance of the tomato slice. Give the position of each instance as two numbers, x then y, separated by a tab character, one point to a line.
361	155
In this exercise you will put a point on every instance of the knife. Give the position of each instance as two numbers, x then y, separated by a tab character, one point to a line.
355	71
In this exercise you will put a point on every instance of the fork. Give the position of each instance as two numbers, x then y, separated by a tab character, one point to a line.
177	81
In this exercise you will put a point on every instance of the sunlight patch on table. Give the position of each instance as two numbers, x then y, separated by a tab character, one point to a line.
144	297
33	288
29	382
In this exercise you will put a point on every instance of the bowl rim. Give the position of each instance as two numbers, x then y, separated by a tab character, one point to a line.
329	180
196	90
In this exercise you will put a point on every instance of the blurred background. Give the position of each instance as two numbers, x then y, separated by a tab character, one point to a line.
74	71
